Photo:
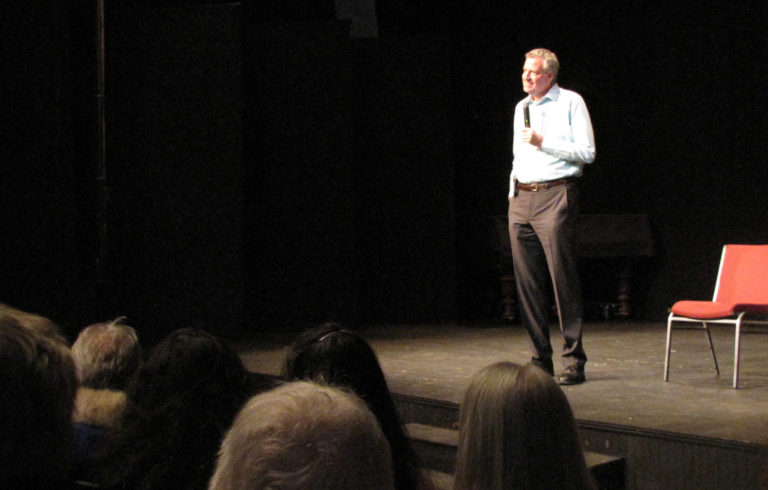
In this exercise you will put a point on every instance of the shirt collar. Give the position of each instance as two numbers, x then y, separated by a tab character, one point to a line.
552	94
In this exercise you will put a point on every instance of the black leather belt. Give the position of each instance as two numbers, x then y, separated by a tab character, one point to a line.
540	186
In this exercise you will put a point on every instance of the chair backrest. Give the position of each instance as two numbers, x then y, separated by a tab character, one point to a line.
743	275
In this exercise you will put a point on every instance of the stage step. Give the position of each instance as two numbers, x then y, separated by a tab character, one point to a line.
436	446
440	480
431	425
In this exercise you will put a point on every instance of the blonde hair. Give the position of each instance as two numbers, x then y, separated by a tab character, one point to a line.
37	323
306	436
106	354
516	430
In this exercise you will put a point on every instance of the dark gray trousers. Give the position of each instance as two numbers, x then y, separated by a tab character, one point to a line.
543	231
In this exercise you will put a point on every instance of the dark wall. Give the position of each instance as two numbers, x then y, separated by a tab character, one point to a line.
41	256
174	152
350	176
299	181
266	170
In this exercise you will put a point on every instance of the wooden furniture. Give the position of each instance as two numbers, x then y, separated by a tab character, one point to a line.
625	237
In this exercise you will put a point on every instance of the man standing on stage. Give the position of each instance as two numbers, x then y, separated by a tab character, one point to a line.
553	140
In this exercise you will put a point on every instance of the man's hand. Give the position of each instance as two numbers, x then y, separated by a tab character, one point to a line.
532	138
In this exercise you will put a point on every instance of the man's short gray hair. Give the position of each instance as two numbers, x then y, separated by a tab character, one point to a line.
550	62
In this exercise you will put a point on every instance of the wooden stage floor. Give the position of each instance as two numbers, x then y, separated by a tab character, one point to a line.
693	432
624	385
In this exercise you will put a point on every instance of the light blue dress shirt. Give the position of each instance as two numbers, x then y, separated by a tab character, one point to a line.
562	119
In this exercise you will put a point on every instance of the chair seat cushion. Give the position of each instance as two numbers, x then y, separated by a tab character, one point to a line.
702	309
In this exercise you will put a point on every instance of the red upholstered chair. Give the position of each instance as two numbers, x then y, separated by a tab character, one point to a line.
741	297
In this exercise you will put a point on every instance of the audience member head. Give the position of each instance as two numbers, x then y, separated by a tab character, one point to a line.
305	436
106	355
517	430
37	382
181	401
335	356
37	323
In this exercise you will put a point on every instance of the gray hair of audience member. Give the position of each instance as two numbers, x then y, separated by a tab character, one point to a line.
37	382
106	355
517	430
550	63
303	435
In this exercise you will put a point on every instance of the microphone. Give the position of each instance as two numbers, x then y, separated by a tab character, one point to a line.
527	115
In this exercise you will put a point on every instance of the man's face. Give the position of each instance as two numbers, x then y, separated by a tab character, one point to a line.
536	82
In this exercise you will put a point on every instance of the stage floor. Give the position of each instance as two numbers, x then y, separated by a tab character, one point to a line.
624	385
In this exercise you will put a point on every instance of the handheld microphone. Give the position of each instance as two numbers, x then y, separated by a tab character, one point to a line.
527	115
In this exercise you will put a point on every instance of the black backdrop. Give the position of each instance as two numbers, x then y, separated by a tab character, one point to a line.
266	171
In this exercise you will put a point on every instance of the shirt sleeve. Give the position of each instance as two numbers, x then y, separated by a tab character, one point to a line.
580	147
517	126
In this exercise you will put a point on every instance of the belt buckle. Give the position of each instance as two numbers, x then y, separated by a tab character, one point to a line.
535	187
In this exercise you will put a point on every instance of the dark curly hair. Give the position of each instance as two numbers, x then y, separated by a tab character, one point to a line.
181	402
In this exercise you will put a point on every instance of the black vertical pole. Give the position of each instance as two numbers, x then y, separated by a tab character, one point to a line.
102	262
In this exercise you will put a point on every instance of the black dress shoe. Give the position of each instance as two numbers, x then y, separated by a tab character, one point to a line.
571	376
545	364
